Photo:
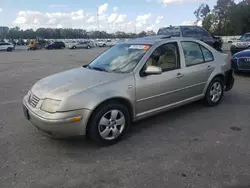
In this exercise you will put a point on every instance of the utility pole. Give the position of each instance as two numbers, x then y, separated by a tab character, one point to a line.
135	22
98	19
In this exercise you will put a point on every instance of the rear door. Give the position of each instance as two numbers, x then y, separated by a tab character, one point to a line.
199	64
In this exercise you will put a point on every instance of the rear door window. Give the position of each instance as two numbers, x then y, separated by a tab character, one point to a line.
196	53
192	52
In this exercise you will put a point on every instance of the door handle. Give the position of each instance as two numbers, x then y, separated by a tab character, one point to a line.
179	75
209	67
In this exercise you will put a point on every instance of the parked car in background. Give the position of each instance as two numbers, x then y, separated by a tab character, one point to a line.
20	42
105	43
4	46
55	45
241	44
196	32
241	61
36	44
83	44
130	81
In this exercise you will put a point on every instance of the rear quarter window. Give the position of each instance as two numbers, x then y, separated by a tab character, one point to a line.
202	32
208	56
189	31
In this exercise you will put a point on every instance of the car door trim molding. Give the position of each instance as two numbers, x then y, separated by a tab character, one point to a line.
169	92
168	106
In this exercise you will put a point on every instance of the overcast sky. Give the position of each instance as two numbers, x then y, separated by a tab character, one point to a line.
125	15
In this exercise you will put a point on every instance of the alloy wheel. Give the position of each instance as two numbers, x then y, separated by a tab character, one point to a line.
215	92
111	125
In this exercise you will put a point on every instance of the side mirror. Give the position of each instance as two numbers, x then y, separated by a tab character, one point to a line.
152	70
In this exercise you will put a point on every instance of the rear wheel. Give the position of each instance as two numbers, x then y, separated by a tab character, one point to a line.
214	92
9	49
109	123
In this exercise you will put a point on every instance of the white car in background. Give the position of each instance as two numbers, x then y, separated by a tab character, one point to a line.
5	46
82	44
105	43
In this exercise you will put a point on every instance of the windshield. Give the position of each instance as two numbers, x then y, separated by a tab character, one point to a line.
245	37
121	58
172	31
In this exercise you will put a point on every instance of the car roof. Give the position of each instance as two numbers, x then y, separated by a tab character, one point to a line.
151	40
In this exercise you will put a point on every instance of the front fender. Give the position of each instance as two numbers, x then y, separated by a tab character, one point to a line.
91	98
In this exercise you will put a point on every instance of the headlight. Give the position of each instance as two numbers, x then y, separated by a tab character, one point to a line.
50	105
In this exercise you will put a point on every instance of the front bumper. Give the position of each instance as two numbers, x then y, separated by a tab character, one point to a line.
58	125
236	68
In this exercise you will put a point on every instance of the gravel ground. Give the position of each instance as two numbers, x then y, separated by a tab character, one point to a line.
192	146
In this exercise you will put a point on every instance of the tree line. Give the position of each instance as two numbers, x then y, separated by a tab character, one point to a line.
66	33
226	18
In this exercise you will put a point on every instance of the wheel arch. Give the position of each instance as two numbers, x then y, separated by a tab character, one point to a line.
119	100
219	75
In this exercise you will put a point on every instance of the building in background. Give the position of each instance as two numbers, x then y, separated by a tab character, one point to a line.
3	32
3	29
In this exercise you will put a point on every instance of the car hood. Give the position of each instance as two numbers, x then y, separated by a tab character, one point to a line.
245	53
65	84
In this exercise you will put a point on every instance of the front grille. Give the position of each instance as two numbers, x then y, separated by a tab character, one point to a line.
244	63
32	99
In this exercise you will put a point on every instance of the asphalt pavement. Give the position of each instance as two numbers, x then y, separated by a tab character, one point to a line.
192	146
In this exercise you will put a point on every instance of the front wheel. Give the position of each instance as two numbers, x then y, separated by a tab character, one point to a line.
214	92
88	47
109	123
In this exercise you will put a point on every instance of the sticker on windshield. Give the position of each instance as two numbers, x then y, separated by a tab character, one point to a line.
139	47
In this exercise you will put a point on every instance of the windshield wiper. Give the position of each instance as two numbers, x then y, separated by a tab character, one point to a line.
98	68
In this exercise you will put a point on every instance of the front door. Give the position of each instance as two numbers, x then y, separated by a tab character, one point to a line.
155	92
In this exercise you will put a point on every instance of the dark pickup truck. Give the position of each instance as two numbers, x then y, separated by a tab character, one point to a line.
195	32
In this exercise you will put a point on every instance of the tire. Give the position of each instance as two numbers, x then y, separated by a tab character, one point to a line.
214	92
104	45
9	49
74	47
109	130
88	47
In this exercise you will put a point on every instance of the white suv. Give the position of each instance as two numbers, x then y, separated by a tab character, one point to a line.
4	46
105	43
